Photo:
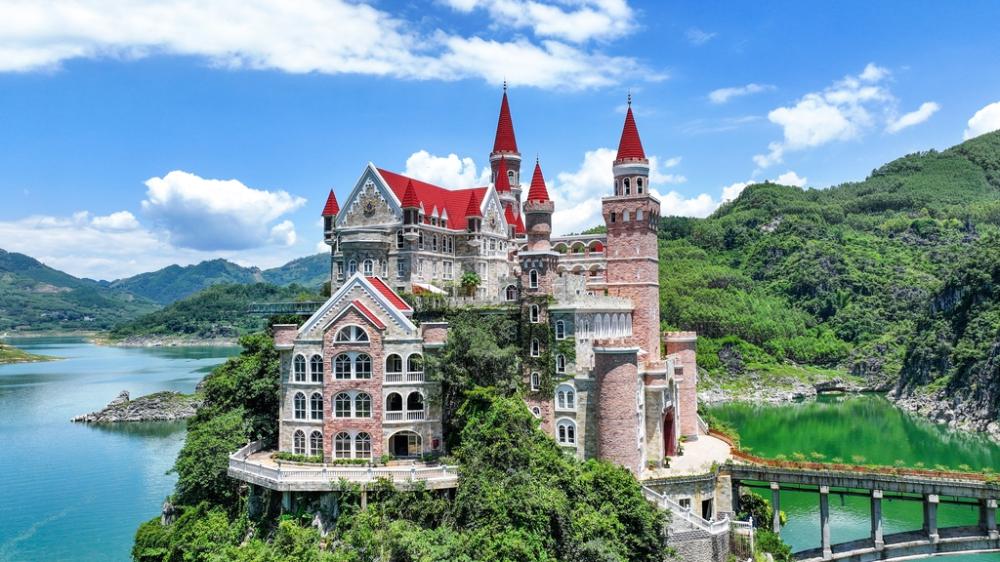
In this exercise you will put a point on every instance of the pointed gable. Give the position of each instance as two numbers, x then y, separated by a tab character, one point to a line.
538	191
502	182
409	199
504	141
630	147
331	208
472	209
381	306
452	201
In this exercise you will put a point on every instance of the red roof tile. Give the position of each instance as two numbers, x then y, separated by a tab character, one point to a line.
505	141
331	208
472	209
630	147
389	294
508	214
409	198
502	182
537	191
368	314
455	201
520	225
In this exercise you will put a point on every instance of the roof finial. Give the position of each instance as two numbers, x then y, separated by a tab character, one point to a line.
630	97
505	84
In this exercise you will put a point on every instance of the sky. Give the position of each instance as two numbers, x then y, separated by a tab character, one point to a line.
135	135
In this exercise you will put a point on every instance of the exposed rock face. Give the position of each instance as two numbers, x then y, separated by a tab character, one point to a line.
953	411
160	406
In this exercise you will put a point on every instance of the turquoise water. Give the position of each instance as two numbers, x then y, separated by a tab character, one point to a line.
868	426
77	492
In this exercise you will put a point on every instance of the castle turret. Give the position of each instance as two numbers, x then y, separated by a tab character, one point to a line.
505	153
538	211
330	212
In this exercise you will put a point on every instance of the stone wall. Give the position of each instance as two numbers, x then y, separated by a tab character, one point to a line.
683	345
617	374
698	546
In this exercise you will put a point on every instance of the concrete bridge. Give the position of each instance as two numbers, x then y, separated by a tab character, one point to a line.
931	490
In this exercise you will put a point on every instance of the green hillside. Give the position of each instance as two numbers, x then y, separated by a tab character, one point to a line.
310	271
785	280
36	297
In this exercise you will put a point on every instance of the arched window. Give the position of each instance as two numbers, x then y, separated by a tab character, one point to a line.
434	243
299	367
560	330
511	293
415	363
342	405
533	279
316	406
415	402
560	363
352	334
394	402
533	314
299	443
535	351
363	446
342	366
628	187
369	267
342	446
316	368
363	366
638	185
352	267
399	238
565	397
363	406
537	412
300	406
566	432
393	364
536	381
316	444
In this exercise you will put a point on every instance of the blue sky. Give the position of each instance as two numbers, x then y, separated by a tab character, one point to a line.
135	135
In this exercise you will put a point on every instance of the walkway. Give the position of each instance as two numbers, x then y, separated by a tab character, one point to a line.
698	458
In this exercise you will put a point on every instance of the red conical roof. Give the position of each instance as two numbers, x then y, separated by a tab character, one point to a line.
410	200
505	141
520	225
537	191
331	208
630	147
473	209
502	182
508	215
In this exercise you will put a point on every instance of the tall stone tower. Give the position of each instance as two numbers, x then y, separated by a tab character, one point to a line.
632	216
505	154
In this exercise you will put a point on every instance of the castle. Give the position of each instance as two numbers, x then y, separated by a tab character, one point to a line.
352	378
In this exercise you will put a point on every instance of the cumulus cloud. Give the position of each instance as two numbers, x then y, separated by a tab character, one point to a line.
916	117
211	214
722	95
791	178
332	37
121	220
984	121
447	171
583	21
841	112
698	37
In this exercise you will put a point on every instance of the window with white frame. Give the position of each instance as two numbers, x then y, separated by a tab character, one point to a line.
352	334
533	314
535	349
342	405
536	381
399	239
393	364
448	270
537	412
363	366
342	445
299	368
340	271
369	267
316	444
560	330
560	363
415	363
434	243
566	432
316	406
533	279
316	368
363	446
300	406
420	241
342	366
400	268
565	397
352	267
299	442
363	405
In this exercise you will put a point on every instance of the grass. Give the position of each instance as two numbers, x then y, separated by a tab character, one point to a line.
11	354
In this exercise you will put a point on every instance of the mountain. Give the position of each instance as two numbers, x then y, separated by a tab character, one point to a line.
36	297
310	271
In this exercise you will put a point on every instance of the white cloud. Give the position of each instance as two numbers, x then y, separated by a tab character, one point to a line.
733	190
722	95
841	112
675	204
791	178
985	120
921	114
211	214
447	171
699	37
331	37
121	220
588	19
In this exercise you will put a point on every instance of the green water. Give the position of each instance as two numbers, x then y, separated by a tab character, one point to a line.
867	426
77	492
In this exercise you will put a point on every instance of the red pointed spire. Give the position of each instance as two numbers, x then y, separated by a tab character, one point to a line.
473	209
502	182
538	191
520	225
332	207
508	215
505	141
410	200
630	147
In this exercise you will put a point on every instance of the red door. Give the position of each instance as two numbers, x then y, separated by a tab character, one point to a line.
669	439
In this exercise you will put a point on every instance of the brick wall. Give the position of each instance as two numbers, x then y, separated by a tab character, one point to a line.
617	375
683	346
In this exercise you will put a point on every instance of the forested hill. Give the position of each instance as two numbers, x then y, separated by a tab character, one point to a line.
784	279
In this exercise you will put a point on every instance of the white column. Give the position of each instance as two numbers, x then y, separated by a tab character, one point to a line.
824	521
877	532
776	507
931	502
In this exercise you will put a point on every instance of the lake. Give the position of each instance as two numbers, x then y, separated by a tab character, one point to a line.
866	426
78	492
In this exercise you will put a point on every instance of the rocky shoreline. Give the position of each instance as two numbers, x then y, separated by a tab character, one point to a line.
764	394
953	412
168	341
159	406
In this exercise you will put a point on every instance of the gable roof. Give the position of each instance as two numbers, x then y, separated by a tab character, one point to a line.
389	294
454	201
389	305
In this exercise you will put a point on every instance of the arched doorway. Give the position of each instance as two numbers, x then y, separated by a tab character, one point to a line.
405	444
669	433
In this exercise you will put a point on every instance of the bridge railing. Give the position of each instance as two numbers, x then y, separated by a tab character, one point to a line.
663	502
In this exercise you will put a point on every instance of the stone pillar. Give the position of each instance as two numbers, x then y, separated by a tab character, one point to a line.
988	518
824	521
286	502
776	507
736	498
364	500
931	502
877	532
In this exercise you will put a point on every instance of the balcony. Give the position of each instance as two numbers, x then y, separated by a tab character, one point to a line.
408	378
405	416
393	378
415	377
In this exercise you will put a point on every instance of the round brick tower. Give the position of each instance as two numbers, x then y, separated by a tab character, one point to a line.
620	414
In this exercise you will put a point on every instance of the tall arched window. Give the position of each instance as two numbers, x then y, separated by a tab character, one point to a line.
363	406
533	279
342	366
316	444
628	187
638	184
511	293
352	267
369	267
393	364
316	368
560	363
399	238
533	314
560	330
352	334
363	446
535	350
342	446
536	381
342	405
316	406
415	363
363	366
394	402
566	432
300	406
299	443
565	397
299	368
415	402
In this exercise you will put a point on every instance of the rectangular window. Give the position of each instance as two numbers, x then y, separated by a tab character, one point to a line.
400	269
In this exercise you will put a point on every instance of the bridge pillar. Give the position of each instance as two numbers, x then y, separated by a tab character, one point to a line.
988	518
931	502
736	498
824	521
286	502
877	533
776	507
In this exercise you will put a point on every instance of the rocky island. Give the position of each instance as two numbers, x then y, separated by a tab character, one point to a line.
159	406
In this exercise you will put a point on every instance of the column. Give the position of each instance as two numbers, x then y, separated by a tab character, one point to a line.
931	502
364	500
736	498
776	507
988	518
877	534
824	521
286	502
